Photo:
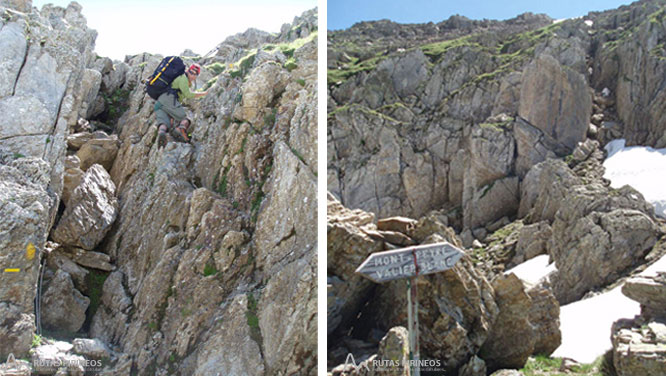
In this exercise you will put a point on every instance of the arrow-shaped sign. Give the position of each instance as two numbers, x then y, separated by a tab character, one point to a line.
410	262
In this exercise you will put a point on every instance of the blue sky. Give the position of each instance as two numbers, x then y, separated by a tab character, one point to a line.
167	27
344	13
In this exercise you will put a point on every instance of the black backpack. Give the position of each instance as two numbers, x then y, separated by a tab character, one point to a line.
160	81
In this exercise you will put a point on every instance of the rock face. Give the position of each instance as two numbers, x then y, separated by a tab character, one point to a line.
235	330
411	107
621	56
556	100
215	241
443	125
91	211
43	59
28	211
42	82
347	247
160	252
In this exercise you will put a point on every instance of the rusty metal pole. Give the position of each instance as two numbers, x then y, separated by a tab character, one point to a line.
415	336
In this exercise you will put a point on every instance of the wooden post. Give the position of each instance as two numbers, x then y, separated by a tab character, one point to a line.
410	326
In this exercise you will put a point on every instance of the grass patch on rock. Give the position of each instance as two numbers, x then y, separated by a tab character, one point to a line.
216	68
542	365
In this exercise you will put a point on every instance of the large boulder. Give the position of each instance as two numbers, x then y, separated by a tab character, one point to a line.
57	259
65	306
532	241
511	340
544	316
598	233
90	84
475	367
650	291
392	357
544	189
91	348
91	211
56	358
102	149
71	178
89	259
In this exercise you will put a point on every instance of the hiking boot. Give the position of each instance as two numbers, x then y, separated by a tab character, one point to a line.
161	139
161	136
180	134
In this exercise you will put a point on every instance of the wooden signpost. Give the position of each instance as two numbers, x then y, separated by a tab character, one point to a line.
410	263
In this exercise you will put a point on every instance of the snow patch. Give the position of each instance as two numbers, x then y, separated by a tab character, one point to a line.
586	324
533	270
643	168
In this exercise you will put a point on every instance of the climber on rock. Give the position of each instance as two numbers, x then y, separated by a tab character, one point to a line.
169	111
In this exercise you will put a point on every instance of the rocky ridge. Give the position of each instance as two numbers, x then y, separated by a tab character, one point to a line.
190	259
443	110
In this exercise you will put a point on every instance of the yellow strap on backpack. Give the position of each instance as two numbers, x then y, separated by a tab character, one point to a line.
165	67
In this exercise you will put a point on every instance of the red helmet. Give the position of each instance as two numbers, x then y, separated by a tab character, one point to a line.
194	69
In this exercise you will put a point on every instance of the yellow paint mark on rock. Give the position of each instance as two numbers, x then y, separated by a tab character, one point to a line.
12	270
30	251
